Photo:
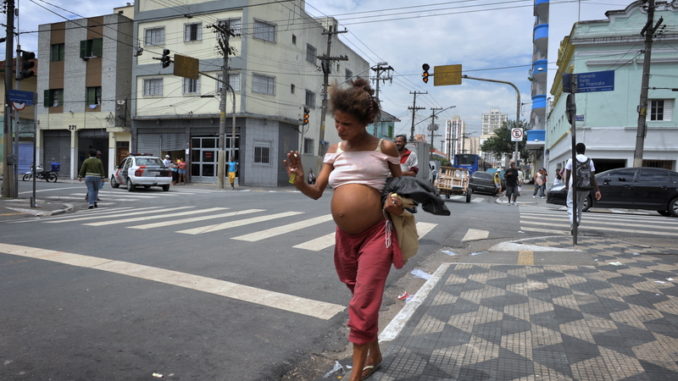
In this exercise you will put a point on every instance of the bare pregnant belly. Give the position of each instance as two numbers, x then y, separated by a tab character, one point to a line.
356	207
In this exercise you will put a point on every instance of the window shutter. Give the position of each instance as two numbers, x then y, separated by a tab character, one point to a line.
47	101
83	48
187	32
97	47
199	32
668	110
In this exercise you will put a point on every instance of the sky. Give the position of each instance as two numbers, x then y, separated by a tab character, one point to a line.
489	38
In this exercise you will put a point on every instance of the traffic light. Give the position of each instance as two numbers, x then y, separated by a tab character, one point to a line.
26	65
165	60
424	75
306	115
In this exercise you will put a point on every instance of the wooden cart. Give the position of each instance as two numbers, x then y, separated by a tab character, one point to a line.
455	181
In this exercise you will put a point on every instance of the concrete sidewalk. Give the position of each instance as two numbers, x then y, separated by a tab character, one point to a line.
613	319
22	207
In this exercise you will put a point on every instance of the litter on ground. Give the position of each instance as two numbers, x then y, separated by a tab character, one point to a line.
614	263
337	368
419	273
449	252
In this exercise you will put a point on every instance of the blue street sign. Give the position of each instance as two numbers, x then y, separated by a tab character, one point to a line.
19	96
589	82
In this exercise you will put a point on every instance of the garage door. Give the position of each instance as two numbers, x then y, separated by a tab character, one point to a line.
57	147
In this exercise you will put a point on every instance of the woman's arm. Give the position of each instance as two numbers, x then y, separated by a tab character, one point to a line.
294	167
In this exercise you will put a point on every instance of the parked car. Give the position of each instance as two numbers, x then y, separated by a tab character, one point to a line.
142	170
630	188
483	182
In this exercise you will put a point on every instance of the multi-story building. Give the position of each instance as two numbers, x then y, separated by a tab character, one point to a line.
454	132
607	121
84	90
491	121
538	75
274	71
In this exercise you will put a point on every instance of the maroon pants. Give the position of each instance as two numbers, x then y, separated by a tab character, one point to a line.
363	262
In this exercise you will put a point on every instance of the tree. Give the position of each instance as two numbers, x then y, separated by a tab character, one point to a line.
501	143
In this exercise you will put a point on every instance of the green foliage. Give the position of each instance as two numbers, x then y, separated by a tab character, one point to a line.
501	142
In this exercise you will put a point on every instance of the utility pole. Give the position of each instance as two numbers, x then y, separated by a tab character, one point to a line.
380	68
223	28
433	126
648	32
9	162
414	109
326	65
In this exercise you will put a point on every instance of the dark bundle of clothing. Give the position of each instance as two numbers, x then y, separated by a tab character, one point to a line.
417	190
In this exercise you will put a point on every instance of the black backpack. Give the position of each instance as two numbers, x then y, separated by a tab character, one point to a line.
584	175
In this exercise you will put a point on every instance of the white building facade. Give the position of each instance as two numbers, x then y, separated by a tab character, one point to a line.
275	72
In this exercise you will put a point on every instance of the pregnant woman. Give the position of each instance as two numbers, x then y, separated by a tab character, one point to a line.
365	247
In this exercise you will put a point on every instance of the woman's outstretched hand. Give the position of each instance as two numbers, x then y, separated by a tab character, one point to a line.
294	168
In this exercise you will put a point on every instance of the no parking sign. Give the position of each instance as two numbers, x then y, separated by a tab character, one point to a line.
516	134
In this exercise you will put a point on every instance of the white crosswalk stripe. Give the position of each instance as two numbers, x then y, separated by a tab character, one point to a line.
556	222
237	223
99	216
268	233
157	216
194	219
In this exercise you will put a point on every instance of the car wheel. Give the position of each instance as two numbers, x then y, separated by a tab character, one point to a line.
673	207
130	186
665	213
165	188
114	184
588	202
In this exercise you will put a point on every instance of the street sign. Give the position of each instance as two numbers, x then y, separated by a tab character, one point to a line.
18	106
447	75
187	67
19	96
516	134
589	82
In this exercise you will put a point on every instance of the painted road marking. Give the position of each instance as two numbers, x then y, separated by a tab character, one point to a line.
326	241
135	213
155	217
119	195
194	219
50	190
587	227
475	234
82	198
290	303
237	223
268	233
526	258
593	225
550	231
604	218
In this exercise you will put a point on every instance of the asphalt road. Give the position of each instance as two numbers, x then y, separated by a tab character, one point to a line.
198	283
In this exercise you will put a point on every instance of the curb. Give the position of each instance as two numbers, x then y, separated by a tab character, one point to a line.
44	213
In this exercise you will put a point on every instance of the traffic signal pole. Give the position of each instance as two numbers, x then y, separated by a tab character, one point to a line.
9	163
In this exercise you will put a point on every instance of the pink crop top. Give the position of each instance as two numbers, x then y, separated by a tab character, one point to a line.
360	167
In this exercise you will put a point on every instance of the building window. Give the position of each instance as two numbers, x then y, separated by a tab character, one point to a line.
264	31
154	36
308	145
235	24
349	75
57	52
54	98
191	86
261	154
91	48
233	81
310	99
292	88
153	87
294	39
93	97
661	110
311	53
193	32
263	84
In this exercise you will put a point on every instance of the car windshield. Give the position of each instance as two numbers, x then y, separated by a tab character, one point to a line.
149	161
482	175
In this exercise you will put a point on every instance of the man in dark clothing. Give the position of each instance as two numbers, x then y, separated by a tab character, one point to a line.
511	176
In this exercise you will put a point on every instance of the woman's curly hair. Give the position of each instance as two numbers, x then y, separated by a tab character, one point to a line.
356	100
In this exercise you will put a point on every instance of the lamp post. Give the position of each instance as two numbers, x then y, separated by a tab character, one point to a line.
515	152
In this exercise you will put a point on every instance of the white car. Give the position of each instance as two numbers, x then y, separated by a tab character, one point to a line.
142	170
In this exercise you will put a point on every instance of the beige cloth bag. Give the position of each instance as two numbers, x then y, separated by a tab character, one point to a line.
406	228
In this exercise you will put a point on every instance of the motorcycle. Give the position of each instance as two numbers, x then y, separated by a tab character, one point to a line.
41	174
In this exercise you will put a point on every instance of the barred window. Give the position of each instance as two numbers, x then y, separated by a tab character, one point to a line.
235	24
191	86
261	154
57	52
93	97
660	110
193	32
233	80
311	53
264	31
153	87
310	99
263	84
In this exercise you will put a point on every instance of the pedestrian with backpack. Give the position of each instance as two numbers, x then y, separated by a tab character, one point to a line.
586	181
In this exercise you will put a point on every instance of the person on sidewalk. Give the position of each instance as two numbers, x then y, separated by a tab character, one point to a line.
586	181
512	179
232	168
92	170
539	183
365	245
181	171
409	165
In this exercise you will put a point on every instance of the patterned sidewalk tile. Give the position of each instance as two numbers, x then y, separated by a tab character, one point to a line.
617	320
